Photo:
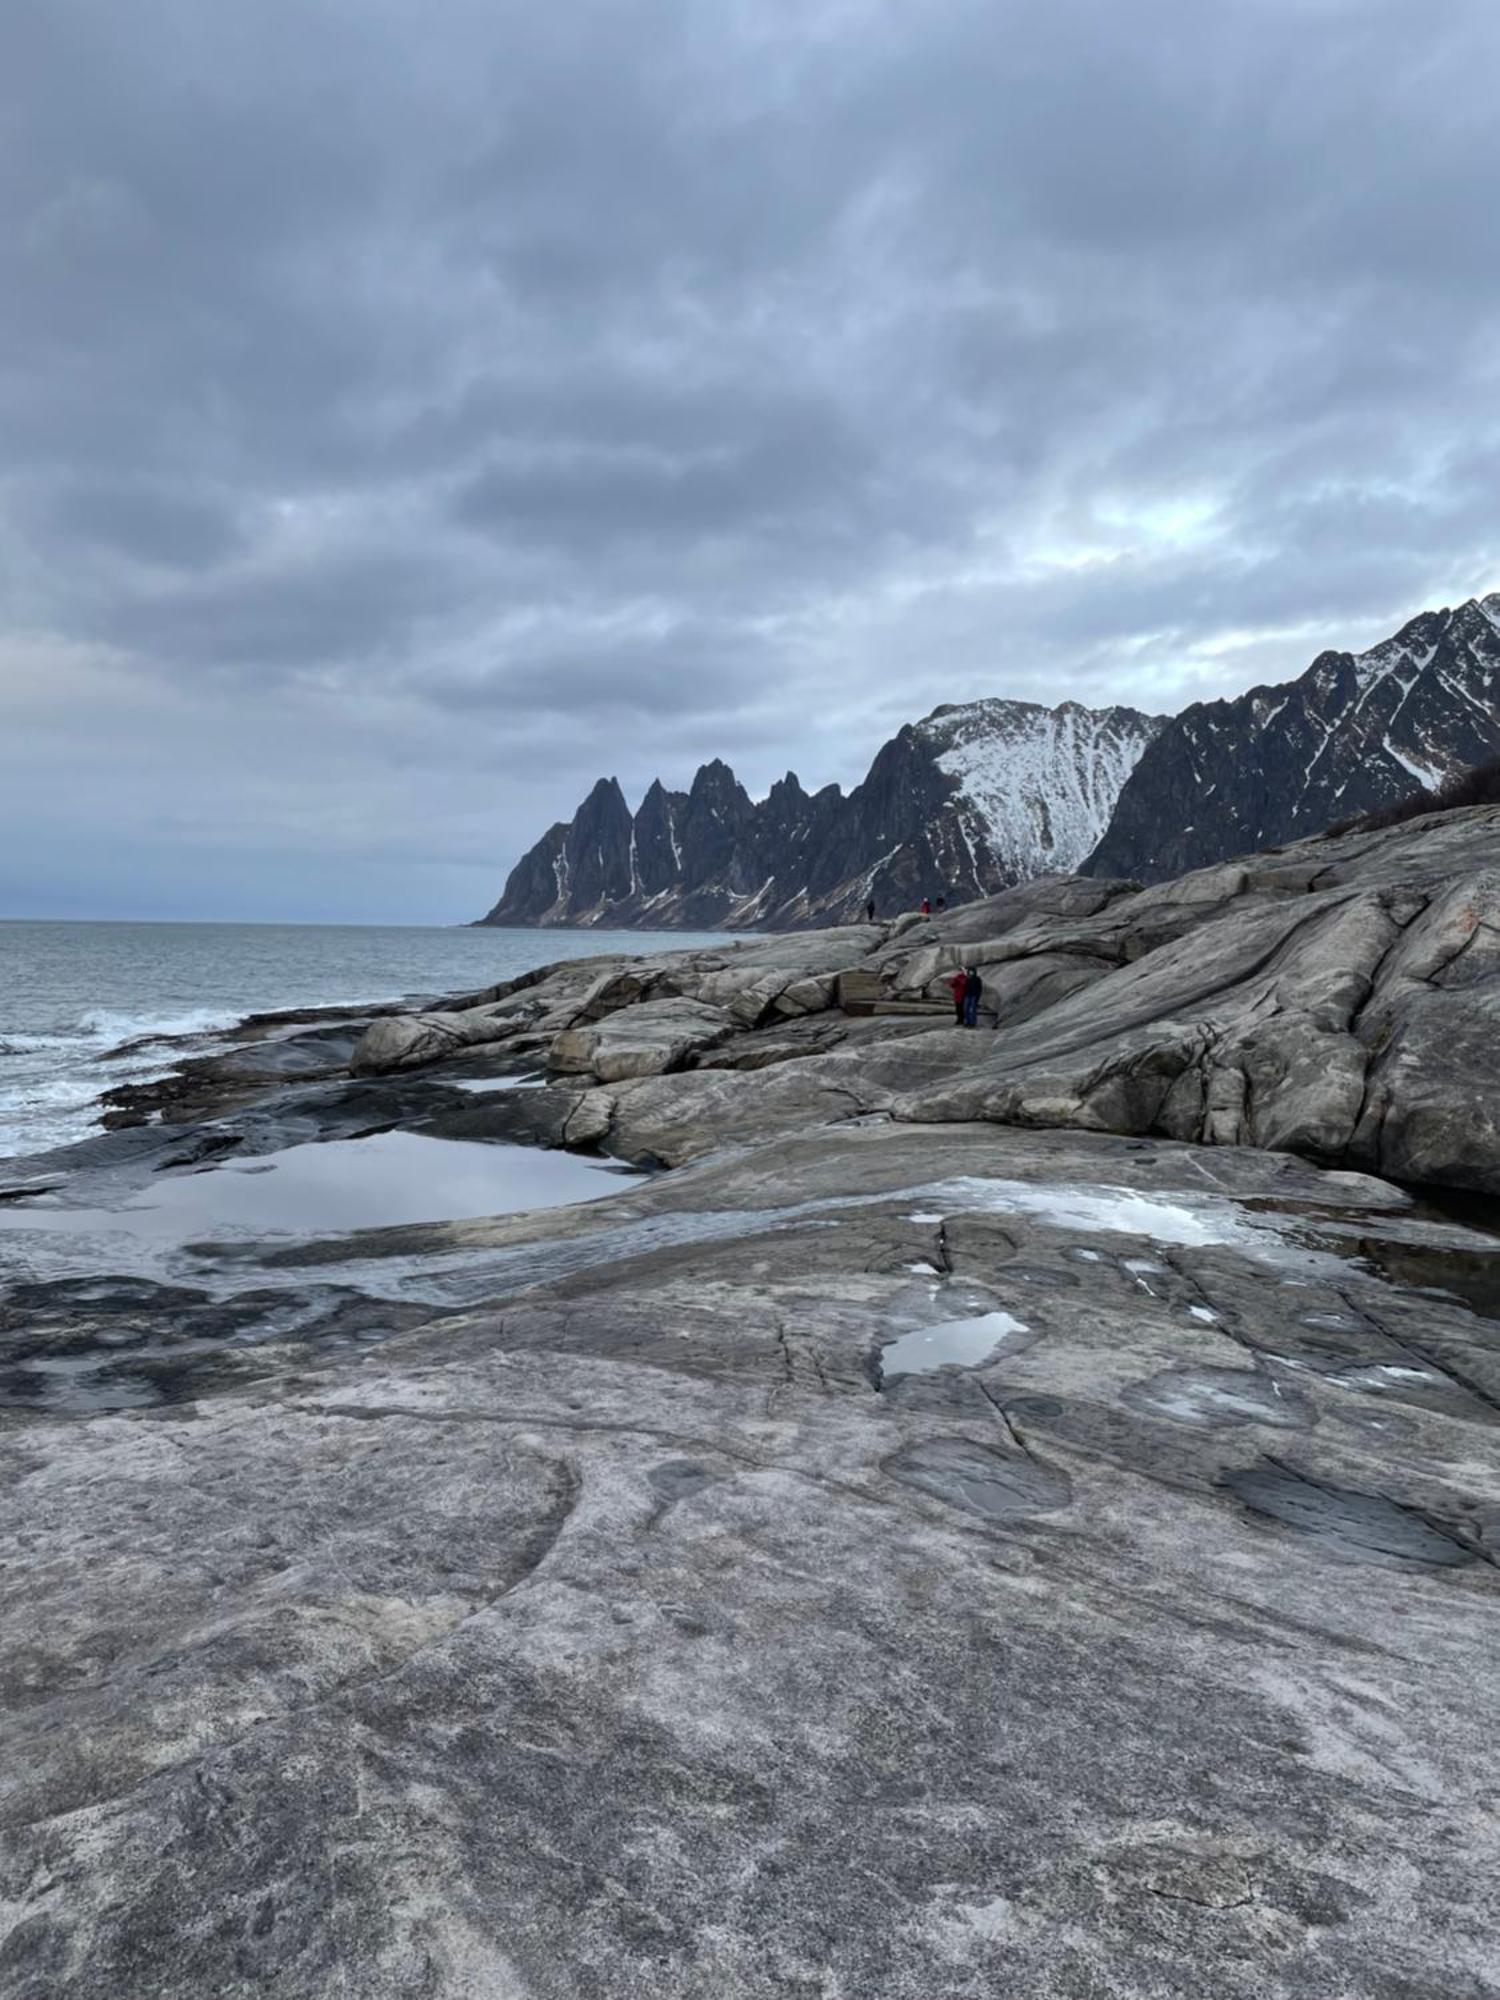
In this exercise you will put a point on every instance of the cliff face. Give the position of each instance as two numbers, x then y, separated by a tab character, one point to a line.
963	804
1356	732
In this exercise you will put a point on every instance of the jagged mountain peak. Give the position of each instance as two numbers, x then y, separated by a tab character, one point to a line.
715	776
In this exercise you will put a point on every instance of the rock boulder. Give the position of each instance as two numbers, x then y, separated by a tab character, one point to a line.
644	1040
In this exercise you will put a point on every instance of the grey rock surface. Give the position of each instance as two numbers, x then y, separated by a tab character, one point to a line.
618	1634
411	1040
565	1605
646	1040
1339	999
1346	1010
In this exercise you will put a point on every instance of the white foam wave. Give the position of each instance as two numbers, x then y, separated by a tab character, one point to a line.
70	1040
51	1083
115	1029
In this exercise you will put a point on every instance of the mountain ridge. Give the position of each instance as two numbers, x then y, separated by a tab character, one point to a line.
1354	733
979	795
971	799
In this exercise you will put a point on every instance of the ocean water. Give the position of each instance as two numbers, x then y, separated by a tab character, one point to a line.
86	1006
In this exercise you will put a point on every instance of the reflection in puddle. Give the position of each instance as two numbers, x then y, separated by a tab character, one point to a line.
344	1184
953	1343
1469	1277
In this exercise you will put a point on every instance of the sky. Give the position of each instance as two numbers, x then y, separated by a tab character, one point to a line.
411	412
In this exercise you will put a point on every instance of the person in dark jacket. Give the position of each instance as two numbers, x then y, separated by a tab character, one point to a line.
956	987
973	987
870	911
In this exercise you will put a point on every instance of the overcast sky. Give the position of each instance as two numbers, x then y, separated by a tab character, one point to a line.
410	411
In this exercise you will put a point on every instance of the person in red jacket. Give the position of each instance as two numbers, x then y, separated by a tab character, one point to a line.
927	906
957	986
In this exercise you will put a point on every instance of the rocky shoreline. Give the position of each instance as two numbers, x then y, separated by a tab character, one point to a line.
921	1512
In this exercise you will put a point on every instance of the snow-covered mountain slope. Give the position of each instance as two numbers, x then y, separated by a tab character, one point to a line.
1352	734
960	805
1037	785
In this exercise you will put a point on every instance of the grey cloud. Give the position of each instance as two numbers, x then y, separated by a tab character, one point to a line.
753	482
652	382
182	529
356	609
699	670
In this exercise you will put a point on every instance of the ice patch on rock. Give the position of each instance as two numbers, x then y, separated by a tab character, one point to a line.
1177	1219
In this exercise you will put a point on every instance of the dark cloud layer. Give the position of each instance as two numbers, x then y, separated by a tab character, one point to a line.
412	411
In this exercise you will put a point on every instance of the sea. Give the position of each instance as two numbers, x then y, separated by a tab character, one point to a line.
86	1006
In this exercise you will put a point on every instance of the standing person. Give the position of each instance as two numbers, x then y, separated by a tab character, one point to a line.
942	904
870	910
927	906
957	986
973	987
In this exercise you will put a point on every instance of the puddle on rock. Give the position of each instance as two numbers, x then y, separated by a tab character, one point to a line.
336	1187
952	1343
1467	1207
1355	1527
1467	1277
